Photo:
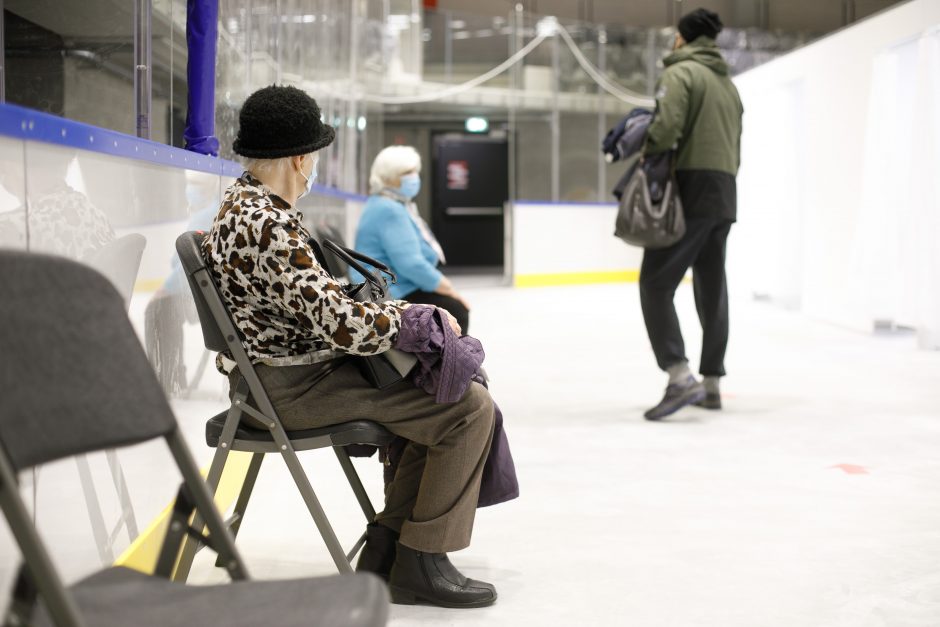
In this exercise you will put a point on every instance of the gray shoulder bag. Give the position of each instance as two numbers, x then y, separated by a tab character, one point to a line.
645	223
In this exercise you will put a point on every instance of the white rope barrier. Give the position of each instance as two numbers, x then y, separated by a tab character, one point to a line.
462	87
605	83
550	29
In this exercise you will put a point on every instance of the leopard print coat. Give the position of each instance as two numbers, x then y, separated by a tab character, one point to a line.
285	305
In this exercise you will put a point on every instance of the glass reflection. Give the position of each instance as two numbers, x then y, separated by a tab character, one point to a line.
61	218
172	306
12	206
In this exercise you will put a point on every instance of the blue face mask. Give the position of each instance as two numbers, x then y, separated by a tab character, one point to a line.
410	185
309	179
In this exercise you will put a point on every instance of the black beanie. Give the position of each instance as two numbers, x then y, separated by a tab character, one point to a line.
700	22
279	122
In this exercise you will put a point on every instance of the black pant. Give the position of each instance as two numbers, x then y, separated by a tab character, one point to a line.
452	305
703	249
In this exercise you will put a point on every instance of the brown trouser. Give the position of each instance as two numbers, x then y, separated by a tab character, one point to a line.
432	500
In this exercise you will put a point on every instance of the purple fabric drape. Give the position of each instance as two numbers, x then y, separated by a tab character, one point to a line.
202	33
446	366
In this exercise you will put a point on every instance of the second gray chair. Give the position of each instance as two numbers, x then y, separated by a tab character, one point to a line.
78	382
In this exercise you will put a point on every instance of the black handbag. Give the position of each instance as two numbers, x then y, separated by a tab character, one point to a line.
393	365
641	221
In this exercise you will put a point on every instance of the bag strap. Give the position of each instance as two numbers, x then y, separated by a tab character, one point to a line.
342	252
353	259
318	254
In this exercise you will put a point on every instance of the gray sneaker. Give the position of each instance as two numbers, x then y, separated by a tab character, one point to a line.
677	396
712	400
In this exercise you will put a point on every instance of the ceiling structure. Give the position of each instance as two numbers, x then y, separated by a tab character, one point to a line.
811	16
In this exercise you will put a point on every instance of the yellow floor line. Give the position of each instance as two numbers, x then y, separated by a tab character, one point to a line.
148	285
142	554
577	278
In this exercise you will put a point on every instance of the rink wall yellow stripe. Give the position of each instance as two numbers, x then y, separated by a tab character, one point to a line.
143	552
577	278
148	285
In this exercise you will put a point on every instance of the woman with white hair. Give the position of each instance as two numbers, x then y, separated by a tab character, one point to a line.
391	231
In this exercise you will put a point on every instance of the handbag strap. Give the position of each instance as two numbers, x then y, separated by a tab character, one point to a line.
318	254
353	259
345	253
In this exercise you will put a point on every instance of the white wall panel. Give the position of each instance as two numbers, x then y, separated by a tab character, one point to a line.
837	190
568	238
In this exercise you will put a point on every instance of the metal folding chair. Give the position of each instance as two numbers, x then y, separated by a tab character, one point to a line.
82	383
226	433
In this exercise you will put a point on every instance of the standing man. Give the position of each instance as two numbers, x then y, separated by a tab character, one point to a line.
698	112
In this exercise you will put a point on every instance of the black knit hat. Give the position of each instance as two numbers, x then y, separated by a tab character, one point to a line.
700	22
279	122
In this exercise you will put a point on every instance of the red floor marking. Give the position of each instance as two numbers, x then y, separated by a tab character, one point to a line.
851	469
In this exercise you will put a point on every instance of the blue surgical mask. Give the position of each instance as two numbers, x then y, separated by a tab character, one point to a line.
410	185
309	179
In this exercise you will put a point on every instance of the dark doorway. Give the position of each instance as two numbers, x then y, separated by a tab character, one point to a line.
470	189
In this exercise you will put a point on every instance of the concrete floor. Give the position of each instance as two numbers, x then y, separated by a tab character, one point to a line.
812	500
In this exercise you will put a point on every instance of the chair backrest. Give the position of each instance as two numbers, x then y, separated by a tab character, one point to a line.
78	380
336	266
76	376
189	249
119	260
218	329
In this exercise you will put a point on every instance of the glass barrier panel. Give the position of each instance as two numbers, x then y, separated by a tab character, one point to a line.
72	59
231	81
534	157
169	54
579	158
121	217
13	226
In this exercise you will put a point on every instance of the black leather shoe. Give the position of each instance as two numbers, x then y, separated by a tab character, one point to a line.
378	554
677	396
431	578
711	401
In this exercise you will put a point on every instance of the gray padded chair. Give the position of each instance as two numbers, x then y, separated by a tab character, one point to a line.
226	433
80	382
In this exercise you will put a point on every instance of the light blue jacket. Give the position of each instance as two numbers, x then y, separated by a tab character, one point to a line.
387	233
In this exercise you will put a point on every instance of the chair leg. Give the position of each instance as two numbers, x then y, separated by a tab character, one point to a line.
355	483
188	553
190	546
254	466
120	486
195	488
44	576
315	509
99	531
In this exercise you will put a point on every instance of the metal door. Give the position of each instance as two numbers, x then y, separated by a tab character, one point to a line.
470	189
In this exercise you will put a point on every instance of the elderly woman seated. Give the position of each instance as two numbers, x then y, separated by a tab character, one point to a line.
296	320
391	231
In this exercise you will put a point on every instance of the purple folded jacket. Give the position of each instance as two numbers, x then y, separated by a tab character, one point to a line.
446	366
446	363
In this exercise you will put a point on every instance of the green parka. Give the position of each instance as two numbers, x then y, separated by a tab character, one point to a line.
698	108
